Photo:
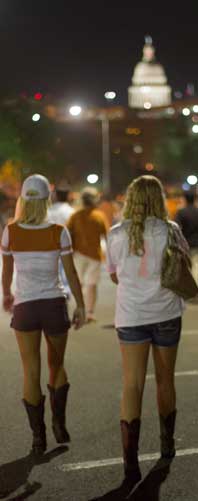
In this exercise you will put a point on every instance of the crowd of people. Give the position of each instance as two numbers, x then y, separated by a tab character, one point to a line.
57	252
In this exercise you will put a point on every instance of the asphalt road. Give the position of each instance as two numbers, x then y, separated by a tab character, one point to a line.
91	465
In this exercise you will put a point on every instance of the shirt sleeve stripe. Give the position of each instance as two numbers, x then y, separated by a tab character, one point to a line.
64	252
5	252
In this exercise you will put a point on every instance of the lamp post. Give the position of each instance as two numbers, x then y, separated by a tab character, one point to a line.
106	173
106	167
76	111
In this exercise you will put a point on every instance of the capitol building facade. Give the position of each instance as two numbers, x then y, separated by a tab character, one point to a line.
149	83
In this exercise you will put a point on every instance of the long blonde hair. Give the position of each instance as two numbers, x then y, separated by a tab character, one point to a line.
31	211
144	198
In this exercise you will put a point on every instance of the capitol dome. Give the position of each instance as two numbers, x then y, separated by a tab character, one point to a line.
149	83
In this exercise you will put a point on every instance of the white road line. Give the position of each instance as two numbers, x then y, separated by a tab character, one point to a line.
190	332
177	374
114	461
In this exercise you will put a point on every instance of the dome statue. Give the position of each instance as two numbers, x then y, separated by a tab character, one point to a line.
149	83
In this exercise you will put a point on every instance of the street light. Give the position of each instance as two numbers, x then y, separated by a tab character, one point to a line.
76	111
110	94
106	169
36	117
195	129
192	179
92	178
186	112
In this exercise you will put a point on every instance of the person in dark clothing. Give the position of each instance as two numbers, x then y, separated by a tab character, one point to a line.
187	218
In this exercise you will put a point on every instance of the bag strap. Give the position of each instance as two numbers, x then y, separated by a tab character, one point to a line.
170	237
173	241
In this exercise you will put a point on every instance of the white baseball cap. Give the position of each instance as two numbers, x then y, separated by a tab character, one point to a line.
35	187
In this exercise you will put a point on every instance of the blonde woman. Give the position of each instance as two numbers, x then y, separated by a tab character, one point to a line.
147	315
34	246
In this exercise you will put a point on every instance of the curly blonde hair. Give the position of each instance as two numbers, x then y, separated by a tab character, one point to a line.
144	198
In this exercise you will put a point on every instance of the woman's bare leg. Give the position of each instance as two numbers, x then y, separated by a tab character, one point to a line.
164	362
134	360
29	346
56	346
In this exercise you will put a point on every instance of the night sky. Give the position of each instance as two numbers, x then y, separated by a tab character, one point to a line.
78	52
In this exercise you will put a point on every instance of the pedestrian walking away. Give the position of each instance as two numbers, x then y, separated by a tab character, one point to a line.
87	227
34	245
59	212
147	316
187	218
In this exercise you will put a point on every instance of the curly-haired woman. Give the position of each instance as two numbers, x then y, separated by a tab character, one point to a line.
34	246
146	315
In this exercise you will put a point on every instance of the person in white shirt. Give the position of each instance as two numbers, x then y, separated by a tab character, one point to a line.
146	315
59	212
34	246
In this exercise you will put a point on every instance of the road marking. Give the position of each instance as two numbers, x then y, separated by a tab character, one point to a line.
86	465
190	332
177	374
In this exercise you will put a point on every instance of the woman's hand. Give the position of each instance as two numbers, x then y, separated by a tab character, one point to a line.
8	301
78	317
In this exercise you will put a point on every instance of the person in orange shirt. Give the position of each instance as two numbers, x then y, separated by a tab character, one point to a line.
106	206
87	227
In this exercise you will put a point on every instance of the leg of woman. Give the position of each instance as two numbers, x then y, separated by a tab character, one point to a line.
58	385
164	361
29	346
134	360
56	346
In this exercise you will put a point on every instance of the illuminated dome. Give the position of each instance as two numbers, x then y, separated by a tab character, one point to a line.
149	83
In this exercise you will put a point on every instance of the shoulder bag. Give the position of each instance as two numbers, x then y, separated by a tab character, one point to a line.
176	272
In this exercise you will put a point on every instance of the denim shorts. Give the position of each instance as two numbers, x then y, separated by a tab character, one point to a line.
160	334
47	315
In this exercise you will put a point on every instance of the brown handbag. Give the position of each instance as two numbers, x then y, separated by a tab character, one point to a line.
176	272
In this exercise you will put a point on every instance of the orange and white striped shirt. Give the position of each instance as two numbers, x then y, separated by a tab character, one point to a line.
36	251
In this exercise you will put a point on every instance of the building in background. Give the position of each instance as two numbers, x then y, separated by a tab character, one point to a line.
149	83
152	135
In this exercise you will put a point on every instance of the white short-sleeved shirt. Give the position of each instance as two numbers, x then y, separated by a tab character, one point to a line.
60	212
36	251
140	299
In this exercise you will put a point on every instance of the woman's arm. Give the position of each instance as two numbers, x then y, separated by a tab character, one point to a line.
73	280
7	276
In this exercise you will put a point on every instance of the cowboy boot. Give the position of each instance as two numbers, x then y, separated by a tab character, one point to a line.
58	401
35	415
167	427
130	439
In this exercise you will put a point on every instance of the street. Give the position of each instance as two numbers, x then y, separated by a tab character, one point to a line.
92	464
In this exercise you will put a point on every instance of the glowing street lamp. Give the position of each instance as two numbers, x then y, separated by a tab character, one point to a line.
186	112
110	95
195	129
192	179
92	178
75	110
106	171
36	117
147	105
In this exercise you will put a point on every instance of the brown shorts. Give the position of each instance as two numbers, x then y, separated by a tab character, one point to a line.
47	315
